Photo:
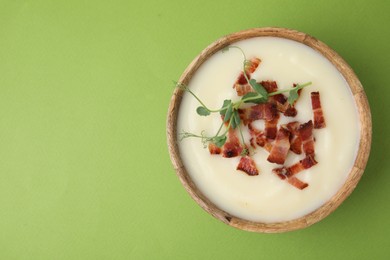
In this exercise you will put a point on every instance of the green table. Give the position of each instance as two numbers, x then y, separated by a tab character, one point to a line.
84	91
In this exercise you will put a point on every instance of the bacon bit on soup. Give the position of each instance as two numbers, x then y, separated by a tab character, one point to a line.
295	140
294	181
251	66
247	165
319	120
281	147
280	100
305	132
290	111
270	86
232	147
214	149
241	85
258	137
271	127
280	172
304	164
266	111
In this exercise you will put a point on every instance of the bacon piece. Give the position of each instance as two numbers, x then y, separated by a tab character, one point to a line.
259	138
232	147
254	133
290	111
231	150
295	140
288	172
241	85
319	120
305	132
213	149
248	166
262	141
271	128
308	162
269	85
280	172
280	100
281	147
283	106
266	111
252	65
294	181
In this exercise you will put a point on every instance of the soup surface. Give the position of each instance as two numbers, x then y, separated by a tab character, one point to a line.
265	197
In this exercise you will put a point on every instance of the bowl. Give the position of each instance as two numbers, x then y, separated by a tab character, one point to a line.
352	178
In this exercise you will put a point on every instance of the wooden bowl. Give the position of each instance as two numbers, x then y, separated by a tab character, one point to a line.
353	176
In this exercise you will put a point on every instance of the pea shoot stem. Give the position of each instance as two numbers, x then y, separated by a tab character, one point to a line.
297	87
245	60
200	101
219	129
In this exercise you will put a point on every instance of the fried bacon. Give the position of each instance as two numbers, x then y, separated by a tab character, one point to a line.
288	172
271	127
241	85
248	166
281	147
280	100
305	132
290	111
319	120
303	164
294	181
258	137
232	147
213	149
295	140
251	66
270	86
266	111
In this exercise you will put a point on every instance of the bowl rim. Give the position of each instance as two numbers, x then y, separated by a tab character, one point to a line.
354	175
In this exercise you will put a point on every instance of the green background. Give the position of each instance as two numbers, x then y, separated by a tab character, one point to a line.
84	92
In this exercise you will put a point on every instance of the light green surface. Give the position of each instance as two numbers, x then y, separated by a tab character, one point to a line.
84	91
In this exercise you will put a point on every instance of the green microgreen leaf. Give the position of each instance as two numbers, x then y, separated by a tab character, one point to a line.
235	119
253	97
293	96
220	140
228	113
259	88
202	111
225	106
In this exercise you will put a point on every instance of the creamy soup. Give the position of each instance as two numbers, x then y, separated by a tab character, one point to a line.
265	197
